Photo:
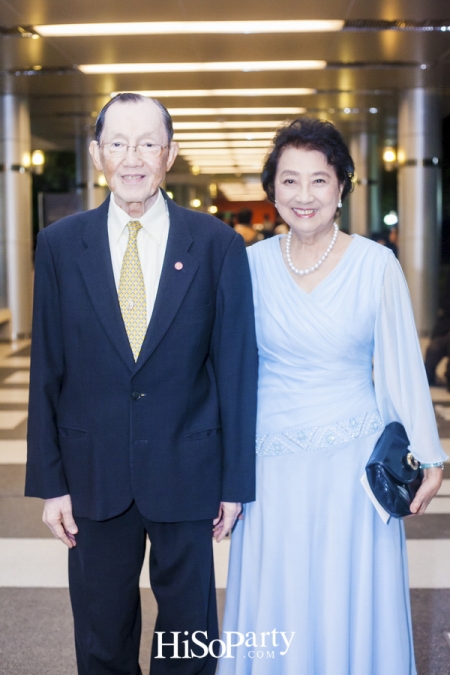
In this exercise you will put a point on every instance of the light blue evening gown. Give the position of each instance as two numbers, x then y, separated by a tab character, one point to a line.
312	556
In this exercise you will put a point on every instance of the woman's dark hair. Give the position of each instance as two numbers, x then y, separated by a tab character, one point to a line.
133	98
311	134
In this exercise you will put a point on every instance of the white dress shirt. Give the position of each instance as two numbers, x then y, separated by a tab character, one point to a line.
151	243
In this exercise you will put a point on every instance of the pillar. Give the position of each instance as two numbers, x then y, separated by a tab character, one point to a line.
374	160
16	212
81	164
419	153
359	198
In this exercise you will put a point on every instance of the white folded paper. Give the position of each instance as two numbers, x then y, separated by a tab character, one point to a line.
384	515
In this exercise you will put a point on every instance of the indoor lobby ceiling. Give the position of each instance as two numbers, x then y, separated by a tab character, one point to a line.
354	76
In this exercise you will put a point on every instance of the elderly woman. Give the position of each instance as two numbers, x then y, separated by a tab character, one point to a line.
318	582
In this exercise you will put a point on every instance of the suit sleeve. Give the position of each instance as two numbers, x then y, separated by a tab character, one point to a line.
235	363
45	475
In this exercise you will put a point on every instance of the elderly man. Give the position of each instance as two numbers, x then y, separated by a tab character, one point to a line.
142	400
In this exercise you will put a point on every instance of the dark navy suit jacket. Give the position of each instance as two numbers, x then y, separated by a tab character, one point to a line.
174	431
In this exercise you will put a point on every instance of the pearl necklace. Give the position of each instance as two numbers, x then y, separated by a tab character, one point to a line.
319	263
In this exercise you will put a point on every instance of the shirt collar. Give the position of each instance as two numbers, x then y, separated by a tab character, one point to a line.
154	221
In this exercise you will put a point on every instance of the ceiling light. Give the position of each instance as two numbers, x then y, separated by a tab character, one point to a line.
175	112
229	161
229	169
192	93
189	145
185	27
215	152
212	209
224	136
223	161
203	67
243	191
258	124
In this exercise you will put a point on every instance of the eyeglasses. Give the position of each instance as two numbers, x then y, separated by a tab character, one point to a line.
117	149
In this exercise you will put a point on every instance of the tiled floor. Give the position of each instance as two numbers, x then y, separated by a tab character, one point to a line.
35	620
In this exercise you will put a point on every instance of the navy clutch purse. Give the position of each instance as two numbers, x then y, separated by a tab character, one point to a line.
394	475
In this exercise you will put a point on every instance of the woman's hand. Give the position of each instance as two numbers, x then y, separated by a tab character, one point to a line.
432	480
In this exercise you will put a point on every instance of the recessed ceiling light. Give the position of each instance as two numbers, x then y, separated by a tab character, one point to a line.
175	112
238	124
217	152
230	169
185	27
224	136
206	67
192	93
227	144
255	163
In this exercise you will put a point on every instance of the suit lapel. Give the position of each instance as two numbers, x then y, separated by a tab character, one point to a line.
173	284
96	268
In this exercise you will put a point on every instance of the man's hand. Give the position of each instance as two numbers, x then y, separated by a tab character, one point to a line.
224	523
431	483
58	517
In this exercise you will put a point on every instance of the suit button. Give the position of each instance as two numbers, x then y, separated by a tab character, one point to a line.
136	395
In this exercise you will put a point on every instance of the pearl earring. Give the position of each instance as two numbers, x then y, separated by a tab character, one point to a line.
339	204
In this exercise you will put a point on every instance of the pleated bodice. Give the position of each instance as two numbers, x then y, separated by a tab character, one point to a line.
316	349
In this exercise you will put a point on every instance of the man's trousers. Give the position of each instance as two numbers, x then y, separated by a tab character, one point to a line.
104	571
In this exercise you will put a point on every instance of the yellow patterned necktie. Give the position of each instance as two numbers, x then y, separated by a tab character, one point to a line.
132	297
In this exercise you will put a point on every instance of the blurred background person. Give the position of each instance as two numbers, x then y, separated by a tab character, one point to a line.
245	229
268	226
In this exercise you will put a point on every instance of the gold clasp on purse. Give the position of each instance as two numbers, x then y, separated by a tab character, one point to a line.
412	461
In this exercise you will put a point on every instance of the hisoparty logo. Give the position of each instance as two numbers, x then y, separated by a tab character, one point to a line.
268	644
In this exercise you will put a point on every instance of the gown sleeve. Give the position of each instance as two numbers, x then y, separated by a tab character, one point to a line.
401	386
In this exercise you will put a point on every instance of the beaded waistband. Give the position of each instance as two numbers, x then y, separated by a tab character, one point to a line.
301	439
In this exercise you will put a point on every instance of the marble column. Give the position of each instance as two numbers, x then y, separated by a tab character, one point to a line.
374	166
16	227
419	199
359	198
